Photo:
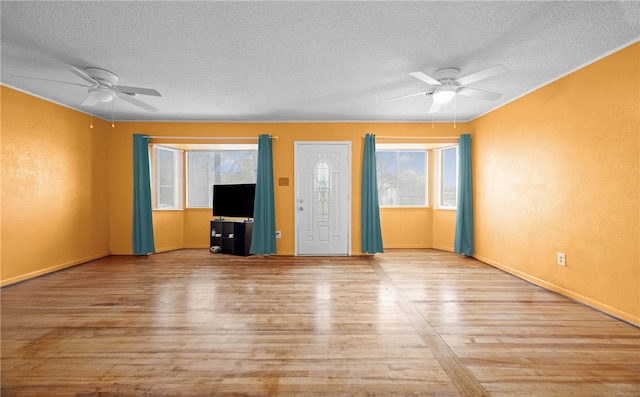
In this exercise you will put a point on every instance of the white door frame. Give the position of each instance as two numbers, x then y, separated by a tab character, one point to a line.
297	144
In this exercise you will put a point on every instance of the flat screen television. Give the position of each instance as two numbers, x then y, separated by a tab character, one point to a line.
234	200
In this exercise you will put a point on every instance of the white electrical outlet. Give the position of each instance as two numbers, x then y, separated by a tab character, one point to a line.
278	234
561	259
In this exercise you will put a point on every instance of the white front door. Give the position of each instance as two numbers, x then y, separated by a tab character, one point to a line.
323	198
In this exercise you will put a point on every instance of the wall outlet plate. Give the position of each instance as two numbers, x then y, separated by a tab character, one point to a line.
278	234
561	259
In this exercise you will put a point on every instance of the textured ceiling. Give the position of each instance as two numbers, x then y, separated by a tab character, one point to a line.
302	61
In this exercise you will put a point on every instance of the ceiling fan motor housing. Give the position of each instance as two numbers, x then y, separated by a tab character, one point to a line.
102	76
447	77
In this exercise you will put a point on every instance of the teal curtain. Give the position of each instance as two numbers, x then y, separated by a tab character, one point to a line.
370	211
142	217
463	243
263	240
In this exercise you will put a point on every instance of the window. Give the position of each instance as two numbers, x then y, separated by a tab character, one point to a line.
402	177
447	177
168	178
208	168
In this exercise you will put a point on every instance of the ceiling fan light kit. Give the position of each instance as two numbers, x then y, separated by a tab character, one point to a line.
444	95
101	94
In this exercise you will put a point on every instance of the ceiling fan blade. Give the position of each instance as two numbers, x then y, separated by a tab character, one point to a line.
483	74
89	101
475	93
53	81
137	90
435	106
427	79
140	104
82	74
408	96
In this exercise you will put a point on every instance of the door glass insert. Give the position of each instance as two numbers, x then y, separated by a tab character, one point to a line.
323	204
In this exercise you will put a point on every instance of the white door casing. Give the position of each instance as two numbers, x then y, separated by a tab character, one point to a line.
323	198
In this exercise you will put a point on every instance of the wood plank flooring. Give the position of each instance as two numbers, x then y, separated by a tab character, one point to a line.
403	323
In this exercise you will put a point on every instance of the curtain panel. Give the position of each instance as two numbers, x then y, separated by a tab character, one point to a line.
263	240
463	243
370	210
143	243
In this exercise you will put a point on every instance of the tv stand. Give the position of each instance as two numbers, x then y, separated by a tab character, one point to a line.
233	237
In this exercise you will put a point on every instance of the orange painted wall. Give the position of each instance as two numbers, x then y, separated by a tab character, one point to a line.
55	187
194	222
196	227
444	227
407	227
558	171
168	230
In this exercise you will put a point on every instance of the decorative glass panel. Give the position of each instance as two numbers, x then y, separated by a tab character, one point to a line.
323	172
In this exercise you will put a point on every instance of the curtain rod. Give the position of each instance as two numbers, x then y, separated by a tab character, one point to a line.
211	137
415	137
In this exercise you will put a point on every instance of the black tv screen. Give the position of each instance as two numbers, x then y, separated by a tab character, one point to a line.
234	200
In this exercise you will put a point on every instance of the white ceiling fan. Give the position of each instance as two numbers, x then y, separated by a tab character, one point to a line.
446	84
104	88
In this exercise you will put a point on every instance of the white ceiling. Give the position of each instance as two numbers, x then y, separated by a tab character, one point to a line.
302	60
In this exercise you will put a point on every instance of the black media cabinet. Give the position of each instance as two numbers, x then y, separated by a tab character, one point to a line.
233	237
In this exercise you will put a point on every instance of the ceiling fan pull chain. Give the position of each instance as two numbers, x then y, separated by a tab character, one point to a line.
454	112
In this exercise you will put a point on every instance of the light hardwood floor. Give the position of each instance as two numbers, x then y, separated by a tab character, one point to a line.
403	323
